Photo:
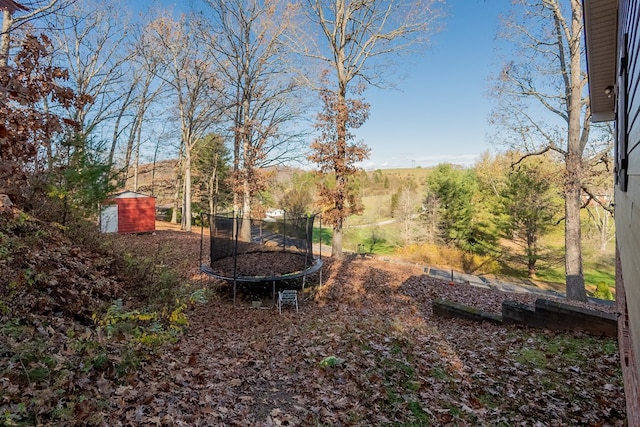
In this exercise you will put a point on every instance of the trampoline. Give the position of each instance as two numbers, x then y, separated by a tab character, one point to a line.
256	251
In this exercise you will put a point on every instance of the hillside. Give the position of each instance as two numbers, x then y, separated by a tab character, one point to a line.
122	330
154	179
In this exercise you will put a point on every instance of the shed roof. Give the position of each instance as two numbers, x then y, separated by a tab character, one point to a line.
11	6
128	194
601	31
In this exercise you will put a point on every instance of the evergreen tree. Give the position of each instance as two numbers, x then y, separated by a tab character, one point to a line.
529	203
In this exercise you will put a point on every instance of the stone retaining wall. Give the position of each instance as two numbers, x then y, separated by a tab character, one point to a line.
545	314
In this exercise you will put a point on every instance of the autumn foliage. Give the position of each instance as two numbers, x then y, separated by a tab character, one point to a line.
337	156
29	89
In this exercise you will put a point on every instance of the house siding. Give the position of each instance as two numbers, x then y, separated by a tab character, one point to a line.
627	361
627	199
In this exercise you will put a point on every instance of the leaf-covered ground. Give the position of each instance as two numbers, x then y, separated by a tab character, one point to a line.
393	363
364	350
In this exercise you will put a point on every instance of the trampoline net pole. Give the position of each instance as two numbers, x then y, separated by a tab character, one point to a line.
237	222
201	237
212	228
284	231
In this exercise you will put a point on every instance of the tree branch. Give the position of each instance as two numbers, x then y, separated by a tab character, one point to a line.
607	207
537	153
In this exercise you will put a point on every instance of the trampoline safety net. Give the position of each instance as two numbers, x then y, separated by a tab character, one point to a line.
259	249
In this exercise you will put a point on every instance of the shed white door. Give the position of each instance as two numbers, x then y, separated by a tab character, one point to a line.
109	219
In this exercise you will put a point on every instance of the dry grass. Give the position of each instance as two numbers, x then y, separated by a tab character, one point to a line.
449	257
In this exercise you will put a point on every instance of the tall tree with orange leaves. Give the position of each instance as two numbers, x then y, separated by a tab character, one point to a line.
337	156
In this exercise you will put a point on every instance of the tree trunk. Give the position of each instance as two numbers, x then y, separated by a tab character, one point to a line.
532	258
116	127
49	145
213	186
572	239
245	230
532	252
249	164
336	242
176	195
186	208
604	230
129	151
341	184
153	171
573	162
136	167
5	38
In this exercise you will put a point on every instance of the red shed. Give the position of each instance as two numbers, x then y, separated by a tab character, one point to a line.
128	212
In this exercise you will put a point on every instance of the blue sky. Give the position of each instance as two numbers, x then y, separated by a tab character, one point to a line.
440	114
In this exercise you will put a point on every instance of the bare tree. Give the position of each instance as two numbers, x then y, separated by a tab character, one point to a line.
28	12
128	100
543	102
191	75
602	221
144	90
262	95
406	213
91	44
353	38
